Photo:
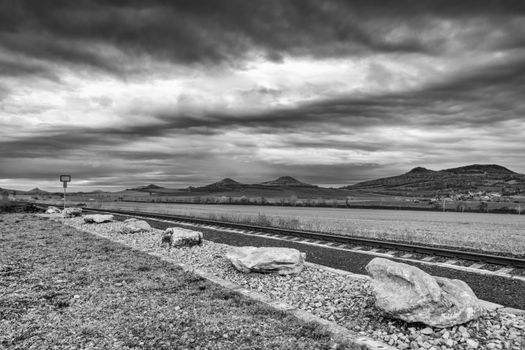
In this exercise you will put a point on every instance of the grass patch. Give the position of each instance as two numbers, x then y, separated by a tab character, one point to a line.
80	291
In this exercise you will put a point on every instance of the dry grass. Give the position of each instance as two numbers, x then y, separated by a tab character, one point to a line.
64	289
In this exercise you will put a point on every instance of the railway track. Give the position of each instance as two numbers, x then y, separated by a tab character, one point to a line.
475	257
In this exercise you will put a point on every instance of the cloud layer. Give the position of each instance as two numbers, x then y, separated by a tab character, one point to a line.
121	93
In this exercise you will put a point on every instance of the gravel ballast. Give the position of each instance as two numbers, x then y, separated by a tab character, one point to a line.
346	300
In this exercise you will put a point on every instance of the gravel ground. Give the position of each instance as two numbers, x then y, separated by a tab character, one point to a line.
519	272
496	289
347	301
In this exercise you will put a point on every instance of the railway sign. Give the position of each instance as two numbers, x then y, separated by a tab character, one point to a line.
65	179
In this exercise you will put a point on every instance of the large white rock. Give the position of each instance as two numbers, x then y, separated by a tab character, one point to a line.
412	295
283	261
179	237
53	210
71	212
97	218
135	226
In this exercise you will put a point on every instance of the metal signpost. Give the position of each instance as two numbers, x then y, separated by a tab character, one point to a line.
65	179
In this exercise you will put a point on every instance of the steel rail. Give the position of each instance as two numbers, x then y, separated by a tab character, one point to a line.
337	238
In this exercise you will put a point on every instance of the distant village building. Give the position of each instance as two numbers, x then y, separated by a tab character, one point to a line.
4	196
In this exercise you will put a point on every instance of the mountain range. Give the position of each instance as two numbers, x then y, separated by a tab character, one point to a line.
418	182
424	182
228	184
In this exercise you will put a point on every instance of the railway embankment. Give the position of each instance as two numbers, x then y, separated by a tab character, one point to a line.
490	276
338	297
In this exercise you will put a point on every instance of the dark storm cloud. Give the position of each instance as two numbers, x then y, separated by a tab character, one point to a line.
51	48
72	141
508	76
16	68
489	95
48	169
52	143
107	167
212	31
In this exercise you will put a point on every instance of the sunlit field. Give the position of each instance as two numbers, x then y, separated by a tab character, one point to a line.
488	232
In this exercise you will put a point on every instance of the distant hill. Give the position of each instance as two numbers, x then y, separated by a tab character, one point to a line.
36	191
480	169
145	188
424	182
286	181
420	170
226	184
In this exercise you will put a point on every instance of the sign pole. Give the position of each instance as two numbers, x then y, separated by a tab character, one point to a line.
65	186
65	179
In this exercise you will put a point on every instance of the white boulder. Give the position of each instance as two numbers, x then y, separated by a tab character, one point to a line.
53	210
71	212
135	226
178	237
97	218
283	261
410	294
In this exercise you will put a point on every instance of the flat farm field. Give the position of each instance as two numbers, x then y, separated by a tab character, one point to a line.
487	232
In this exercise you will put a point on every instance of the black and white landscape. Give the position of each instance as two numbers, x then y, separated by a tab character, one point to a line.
262	174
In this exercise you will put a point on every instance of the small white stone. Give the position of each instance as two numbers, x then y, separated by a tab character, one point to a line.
472	344
427	331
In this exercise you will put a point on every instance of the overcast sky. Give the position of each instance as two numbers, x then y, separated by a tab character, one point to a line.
178	93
